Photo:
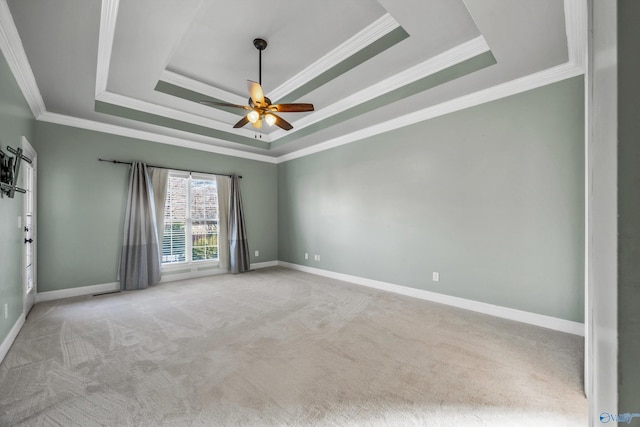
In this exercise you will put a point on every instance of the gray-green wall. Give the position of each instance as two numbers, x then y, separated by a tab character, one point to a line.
491	197
16	121
81	201
628	207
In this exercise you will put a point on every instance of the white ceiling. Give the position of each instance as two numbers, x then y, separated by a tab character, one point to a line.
368	66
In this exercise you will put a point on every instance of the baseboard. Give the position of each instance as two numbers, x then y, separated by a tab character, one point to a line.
567	326
110	287
13	333
266	264
77	292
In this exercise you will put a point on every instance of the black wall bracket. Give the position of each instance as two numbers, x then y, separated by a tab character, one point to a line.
9	172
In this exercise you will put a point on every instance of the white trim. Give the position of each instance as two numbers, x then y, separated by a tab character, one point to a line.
172	113
266	264
30	152
588	318
77	292
11	46
431	66
374	31
150	136
11	337
108	16
522	84
200	87
115	286
541	320
602	142
576	15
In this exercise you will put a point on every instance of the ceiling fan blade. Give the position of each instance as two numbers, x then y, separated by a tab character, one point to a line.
243	121
255	92
293	108
224	104
258	124
282	123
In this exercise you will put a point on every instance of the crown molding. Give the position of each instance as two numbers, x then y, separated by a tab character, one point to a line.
11	46
522	84
374	31
108	16
431	66
200	87
576	14
172	113
71	121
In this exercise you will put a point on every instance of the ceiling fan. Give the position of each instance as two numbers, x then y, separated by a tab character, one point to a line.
260	107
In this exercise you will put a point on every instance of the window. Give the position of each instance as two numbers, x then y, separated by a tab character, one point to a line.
190	219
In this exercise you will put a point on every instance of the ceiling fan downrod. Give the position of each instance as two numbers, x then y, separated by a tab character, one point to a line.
261	45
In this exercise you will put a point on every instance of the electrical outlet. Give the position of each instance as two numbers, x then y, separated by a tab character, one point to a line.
316	257
306	255
257	253
436	276
6	311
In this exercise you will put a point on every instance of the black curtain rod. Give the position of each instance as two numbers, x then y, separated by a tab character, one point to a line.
164	167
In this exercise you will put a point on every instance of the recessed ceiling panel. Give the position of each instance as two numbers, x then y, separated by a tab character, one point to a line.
298	33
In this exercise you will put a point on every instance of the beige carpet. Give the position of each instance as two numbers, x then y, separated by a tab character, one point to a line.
279	347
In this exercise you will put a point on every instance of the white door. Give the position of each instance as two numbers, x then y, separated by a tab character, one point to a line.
29	226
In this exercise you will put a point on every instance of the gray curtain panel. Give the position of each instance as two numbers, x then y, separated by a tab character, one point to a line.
140	257
159	180
238	244
223	184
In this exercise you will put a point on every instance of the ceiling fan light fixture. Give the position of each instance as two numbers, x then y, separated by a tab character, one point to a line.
259	106
253	116
270	119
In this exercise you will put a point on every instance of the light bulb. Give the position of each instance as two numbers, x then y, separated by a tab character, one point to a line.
270	119
253	116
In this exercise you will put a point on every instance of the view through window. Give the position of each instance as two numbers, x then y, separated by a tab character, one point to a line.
190	219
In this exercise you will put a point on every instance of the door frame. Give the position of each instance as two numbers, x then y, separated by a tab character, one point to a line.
30	152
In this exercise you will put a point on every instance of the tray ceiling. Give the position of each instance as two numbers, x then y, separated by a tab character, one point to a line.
139	67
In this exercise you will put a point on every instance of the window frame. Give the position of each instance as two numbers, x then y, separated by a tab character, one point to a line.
189	264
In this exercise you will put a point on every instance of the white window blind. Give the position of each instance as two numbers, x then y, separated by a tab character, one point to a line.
191	219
